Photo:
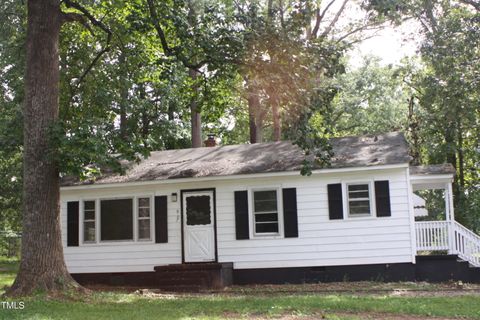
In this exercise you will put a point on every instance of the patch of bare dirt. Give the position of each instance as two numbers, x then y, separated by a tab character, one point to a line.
363	288
393	289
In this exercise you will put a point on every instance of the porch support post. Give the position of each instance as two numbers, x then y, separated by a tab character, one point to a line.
449	218
450	202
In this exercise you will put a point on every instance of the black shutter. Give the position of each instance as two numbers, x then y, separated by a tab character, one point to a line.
335	201
72	223
241	215
382	198
290	219
161	219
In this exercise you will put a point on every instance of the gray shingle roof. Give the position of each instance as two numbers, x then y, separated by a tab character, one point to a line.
390	148
430	169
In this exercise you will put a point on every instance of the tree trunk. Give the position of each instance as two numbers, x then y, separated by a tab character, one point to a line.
255	117
413	128
123	99
277	126
461	160
42	265
196	117
451	157
145	115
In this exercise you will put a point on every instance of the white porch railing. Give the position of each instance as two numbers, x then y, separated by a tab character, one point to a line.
448	235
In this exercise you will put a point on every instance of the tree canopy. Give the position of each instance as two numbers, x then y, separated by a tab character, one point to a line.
144	75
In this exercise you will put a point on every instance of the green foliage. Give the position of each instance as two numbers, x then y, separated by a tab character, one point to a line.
12	35
451	99
122	98
370	100
446	117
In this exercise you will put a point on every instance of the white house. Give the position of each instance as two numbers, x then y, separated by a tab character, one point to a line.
246	210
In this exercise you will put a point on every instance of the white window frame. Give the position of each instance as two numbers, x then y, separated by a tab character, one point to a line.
346	200
251	213
151	218
135	239
84	220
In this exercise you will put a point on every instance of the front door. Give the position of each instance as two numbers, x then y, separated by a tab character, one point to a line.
198	226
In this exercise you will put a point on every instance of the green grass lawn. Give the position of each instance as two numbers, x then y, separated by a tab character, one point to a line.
252	303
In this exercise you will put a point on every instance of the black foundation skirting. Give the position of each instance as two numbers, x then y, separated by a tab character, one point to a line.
216	276
428	268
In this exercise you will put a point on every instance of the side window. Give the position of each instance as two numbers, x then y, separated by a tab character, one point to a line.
144	214
89	221
265	212
358	199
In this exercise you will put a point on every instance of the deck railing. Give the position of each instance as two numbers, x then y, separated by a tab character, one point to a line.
448	235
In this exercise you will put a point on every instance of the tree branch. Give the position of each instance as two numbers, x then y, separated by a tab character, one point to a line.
320	17
170	52
82	18
75	17
367	27
88	15
334	21
474	4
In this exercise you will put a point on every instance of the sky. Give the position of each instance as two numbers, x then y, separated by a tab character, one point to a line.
391	44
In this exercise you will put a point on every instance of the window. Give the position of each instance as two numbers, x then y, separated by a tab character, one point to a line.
198	210
144	218
89	221
265	212
116	219
358	197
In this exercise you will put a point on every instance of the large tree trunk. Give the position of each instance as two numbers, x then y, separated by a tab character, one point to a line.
451	157
277	126
196	117
413	129
42	265
255	117
145	115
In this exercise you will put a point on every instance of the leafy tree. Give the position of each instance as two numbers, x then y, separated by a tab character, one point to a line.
12	53
42	266
447	91
371	100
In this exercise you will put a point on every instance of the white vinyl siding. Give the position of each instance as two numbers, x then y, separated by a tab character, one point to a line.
320	242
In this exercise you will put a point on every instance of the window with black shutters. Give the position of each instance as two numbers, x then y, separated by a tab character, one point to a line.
265	212
116	219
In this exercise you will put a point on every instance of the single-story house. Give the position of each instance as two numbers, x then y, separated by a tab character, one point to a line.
246	214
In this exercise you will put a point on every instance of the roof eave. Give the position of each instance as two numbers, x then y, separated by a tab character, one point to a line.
230	177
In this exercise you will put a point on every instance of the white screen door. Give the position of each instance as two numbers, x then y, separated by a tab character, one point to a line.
198	226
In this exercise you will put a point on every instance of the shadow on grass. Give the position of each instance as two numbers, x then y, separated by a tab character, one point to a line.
118	306
131	306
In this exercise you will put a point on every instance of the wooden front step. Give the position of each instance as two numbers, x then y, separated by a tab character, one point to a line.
179	277
198	275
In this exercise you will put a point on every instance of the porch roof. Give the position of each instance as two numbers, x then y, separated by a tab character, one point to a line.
362	151
434	176
432	169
